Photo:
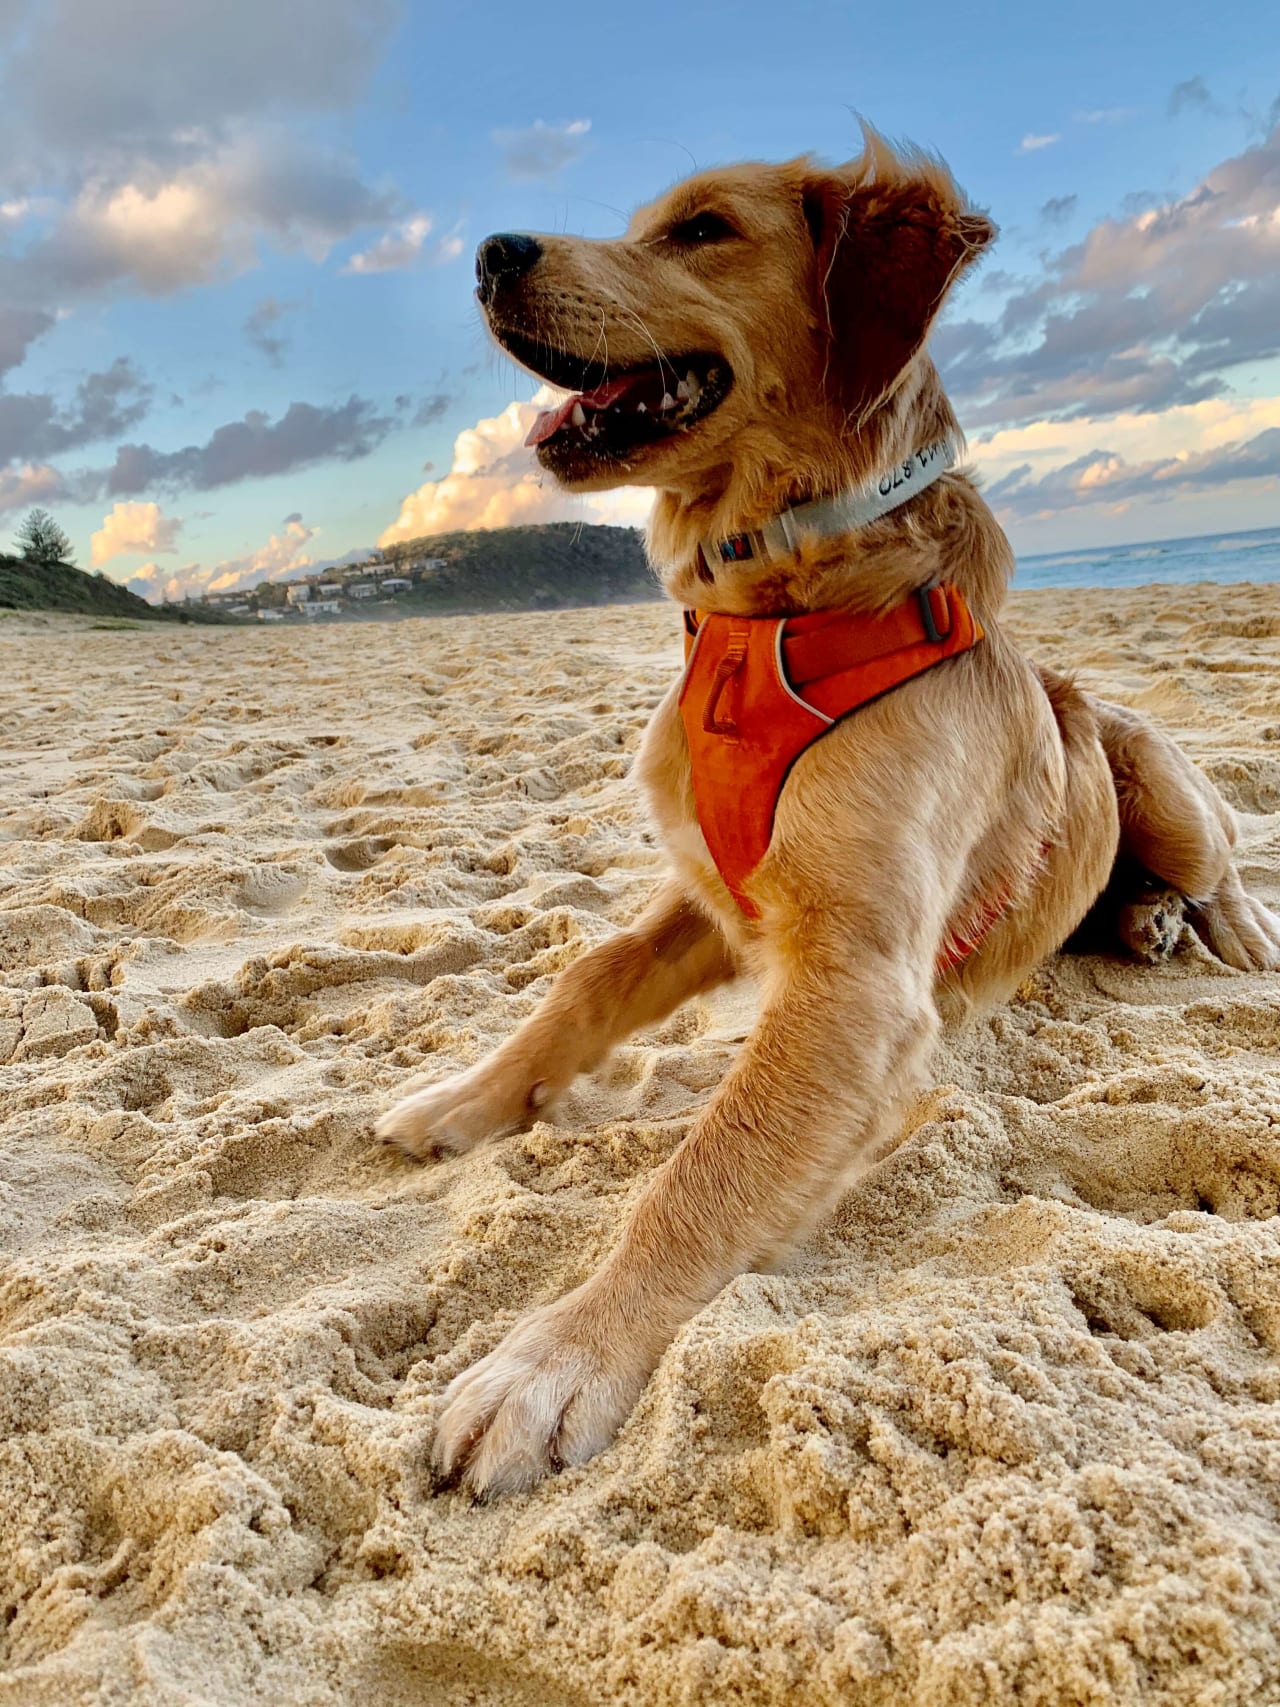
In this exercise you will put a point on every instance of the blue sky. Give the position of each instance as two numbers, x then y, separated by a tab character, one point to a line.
236	326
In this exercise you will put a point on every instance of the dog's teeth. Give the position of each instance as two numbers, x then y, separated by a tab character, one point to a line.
668	401
682	391
578	415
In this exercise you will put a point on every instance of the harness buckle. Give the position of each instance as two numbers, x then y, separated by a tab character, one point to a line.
924	598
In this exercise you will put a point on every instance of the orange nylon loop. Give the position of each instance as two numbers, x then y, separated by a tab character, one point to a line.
940	605
728	667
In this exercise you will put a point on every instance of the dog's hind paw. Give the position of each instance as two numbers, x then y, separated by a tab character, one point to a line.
1150	927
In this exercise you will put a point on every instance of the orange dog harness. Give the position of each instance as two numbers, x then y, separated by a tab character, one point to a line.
758	690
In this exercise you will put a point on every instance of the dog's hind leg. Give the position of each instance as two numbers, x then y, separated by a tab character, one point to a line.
636	978
1176	839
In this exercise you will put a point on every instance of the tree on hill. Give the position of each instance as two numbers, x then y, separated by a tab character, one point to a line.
41	540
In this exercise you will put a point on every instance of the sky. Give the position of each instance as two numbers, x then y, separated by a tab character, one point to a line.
237	331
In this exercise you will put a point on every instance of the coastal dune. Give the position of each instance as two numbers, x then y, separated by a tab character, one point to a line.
1006	1430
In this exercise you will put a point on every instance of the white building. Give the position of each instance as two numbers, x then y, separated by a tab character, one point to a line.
299	593
270	616
362	590
396	584
322	607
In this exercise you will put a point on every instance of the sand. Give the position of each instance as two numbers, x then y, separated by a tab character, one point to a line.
1006	1431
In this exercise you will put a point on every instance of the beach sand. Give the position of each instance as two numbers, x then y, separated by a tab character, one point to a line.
1006	1431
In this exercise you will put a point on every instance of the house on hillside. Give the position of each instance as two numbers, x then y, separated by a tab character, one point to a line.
270	616
396	584
300	593
362	589
322	607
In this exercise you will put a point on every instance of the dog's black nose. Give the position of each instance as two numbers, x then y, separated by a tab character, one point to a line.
506	255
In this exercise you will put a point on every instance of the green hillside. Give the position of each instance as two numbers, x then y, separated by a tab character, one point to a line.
548	567
61	586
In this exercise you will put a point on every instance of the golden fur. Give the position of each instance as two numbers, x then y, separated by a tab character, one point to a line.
819	301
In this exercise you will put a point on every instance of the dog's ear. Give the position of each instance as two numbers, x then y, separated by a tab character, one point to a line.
888	245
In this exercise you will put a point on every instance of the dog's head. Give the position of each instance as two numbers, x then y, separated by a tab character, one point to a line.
751	310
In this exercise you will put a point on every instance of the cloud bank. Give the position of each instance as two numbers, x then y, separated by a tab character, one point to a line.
494	482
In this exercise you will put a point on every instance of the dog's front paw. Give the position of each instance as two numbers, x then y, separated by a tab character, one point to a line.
1239	928
545	1398
461	1112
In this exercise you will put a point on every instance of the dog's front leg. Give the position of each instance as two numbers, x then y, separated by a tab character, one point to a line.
636	978
838	1040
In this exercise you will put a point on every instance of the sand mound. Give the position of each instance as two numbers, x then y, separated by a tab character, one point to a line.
1007	1431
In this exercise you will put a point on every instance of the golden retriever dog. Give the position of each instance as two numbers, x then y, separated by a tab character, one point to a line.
756	343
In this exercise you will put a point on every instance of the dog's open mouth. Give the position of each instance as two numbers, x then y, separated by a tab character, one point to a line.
636	408
614	414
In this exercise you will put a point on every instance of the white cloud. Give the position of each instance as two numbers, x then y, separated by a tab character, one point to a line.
494	482
85	78
32	483
162	232
1046	468
1188	429
284	554
1146	311
403	246
1105	115
157	583
542	150
134	528
1031	141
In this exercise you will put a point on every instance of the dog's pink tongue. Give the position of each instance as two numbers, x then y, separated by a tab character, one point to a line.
550	421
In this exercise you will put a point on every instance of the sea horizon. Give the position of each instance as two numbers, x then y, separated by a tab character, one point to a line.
1250	555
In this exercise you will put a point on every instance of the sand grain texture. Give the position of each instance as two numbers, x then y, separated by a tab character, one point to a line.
1007	1431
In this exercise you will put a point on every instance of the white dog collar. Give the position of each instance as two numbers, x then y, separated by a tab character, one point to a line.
826	517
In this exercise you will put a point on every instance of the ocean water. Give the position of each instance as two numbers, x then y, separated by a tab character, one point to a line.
1253	556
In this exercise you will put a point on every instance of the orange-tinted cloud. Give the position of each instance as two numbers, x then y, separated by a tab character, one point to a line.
494	482
140	528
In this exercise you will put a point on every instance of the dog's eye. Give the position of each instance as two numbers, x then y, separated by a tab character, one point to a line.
702	228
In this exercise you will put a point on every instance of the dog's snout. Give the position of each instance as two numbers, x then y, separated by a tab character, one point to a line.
504	256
